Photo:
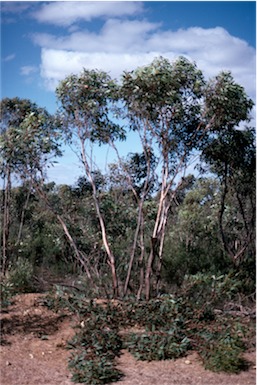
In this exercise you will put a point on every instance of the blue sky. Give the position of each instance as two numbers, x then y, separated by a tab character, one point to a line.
42	42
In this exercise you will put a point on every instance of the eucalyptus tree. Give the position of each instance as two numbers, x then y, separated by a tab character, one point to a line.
232	157
85	102
164	104
11	115
230	151
175	111
28	140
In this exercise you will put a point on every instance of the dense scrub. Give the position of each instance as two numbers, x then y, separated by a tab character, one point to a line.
192	244
142	226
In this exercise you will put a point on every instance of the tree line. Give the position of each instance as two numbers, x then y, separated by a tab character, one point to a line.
145	223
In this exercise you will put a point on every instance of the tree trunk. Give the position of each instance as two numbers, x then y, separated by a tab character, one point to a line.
160	251
141	264
221	214
111	258
6	220
23	215
158	228
132	255
157	240
78	254
140	220
74	246
148	272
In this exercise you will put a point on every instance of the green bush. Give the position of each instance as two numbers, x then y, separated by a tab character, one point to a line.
21	276
153	315
205	288
6	292
93	371
157	346
224	354
97	341
168	328
95	346
92	359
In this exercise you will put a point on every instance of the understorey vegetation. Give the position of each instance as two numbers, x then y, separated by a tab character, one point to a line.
163	328
167	230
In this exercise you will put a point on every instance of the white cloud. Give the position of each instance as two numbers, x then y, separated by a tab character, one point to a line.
15	6
115	36
28	70
9	57
56	64
124	45
67	13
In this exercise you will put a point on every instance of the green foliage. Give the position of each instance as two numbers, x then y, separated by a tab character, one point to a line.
157	346
161	84
95	347
97	341
210	222
207	289
21	276
154	314
164	328
85	102
167	95
192	243
227	101
6	293
223	352
29	135
209	248
94	371
246	275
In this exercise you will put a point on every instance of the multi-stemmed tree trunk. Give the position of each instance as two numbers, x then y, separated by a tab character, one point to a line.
146	161
180	111
111	257
85	101
164	99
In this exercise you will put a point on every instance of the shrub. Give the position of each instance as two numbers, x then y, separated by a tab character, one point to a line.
157	346
223	354
94	371
205	288
21	276
6	292
95	347
168	326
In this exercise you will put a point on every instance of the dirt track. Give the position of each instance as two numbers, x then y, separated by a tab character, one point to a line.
33	353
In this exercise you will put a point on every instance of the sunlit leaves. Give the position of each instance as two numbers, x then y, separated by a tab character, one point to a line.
29	137
167	97
86	100
227	101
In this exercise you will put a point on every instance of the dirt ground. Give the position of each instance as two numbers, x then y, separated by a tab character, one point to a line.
33	352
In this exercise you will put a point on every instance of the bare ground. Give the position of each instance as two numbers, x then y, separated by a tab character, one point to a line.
33	352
